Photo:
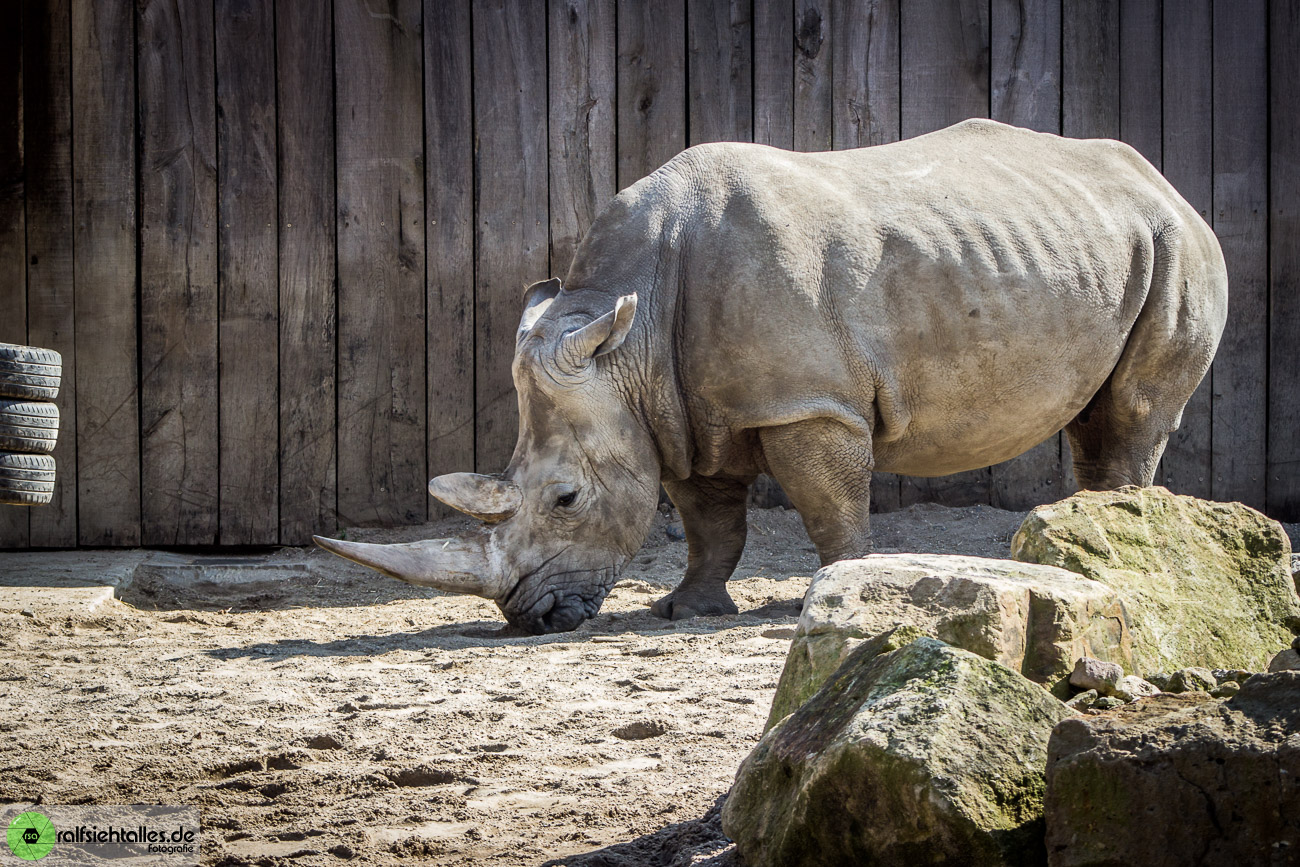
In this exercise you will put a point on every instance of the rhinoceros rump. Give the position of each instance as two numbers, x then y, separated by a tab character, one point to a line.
924	307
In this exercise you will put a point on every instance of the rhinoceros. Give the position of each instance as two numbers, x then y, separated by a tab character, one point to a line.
923	307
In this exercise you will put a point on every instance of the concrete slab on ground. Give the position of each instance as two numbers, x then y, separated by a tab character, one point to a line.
69	568
55	602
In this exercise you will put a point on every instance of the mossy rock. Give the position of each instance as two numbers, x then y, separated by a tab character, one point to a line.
1204	583
1034	619
925	754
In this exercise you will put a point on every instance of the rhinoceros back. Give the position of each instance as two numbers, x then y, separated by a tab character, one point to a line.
963	294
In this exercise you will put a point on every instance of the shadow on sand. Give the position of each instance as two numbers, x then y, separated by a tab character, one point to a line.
488	633
696	843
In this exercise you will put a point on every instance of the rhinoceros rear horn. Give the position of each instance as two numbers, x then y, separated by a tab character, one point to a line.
484	497
454	565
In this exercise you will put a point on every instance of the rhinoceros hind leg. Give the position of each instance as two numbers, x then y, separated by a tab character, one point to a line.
1120	435
1112	446
713	517
825	468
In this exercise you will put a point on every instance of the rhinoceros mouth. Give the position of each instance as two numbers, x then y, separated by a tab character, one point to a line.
544	603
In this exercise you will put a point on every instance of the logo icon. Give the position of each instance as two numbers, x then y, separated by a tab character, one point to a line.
31	836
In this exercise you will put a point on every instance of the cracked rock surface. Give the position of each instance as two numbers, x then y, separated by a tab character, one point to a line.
1225	774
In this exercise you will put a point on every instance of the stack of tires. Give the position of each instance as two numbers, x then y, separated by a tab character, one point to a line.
29	423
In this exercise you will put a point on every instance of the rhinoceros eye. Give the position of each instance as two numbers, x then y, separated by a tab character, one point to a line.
565	500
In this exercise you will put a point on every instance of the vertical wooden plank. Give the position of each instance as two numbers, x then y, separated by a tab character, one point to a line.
1026	63
249	498
178	272
104	264
381	377
945	64
1284	264
449	202
865	45
720	71
308	327
1026	91
1090	77
581	121
864	111
1240	373
813	75
651	86
1140	76
774	73
510	128
1187	158
1090	64
47	128
945	79
13	229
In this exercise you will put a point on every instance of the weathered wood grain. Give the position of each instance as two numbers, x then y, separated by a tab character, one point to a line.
47	129
720	75
1284	264
307	285
1026	63
814	85
864	110
248	310
1140	121
13	229
1187	159
449	204
1090	69
1240	373
865	73
945	64
651	86
178	272
381	376
581	136
104	263
774	73
945	79
1025	55
511	223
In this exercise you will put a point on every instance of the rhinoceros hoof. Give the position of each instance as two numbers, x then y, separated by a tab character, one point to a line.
680	605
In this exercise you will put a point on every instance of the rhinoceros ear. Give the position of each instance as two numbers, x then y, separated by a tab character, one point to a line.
600	337
537	298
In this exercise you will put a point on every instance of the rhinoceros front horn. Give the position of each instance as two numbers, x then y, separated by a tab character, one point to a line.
484	497
454	565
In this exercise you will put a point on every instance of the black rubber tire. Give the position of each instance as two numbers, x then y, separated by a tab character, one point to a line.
29	372
26	480
28	426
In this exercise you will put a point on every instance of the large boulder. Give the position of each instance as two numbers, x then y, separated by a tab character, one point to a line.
1204	584
925	754
1219	780
1036	620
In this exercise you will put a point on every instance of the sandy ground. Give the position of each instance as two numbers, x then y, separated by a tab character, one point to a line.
326	714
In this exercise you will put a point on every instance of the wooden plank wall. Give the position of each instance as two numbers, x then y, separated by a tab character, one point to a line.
281	246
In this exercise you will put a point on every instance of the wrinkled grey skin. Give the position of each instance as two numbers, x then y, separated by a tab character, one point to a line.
925	307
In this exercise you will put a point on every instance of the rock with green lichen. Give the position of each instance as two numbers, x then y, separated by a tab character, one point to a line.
1206	584
925	754
1083	700
1180	779
1193	679
1034	619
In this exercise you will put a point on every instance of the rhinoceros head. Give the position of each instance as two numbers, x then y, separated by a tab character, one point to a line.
579	495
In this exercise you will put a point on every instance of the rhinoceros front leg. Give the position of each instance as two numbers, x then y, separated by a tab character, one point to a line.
825	469
713	516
